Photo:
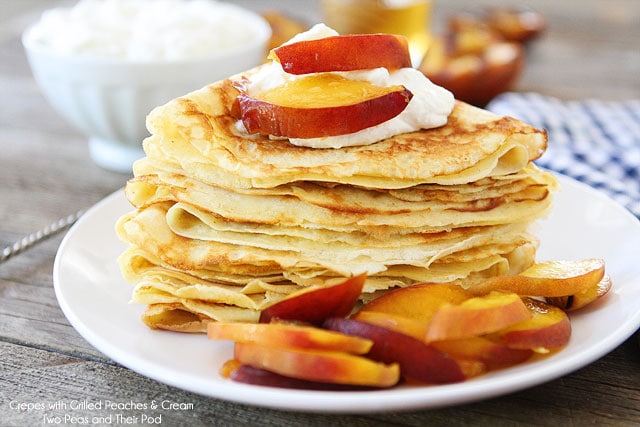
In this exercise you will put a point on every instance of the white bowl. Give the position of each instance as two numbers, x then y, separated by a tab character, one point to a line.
109	98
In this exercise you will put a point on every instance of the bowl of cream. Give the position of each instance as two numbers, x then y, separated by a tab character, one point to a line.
103	65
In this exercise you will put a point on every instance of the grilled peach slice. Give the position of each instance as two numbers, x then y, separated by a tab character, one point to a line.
548	279
417	360
256	376
288	335
316	303
493	354
574	302
418	302
477	316
320	105
314	365
548	328
405	325
347	52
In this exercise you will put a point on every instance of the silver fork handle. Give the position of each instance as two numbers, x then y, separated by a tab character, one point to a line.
38	236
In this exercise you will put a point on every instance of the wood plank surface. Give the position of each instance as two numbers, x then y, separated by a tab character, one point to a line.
589	51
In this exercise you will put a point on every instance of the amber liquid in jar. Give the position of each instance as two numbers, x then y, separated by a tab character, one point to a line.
410	18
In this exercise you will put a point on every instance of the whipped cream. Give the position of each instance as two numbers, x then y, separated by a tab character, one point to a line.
429	108
145	30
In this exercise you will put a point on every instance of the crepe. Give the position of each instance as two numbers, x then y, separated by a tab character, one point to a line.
197	134
148	228
225	223
208	294
347	208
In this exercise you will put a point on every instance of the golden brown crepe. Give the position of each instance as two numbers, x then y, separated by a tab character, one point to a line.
197	134
226	223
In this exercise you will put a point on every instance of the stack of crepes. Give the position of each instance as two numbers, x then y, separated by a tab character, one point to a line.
226	223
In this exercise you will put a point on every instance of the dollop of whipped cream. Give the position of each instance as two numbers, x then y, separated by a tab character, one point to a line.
144	30
429	108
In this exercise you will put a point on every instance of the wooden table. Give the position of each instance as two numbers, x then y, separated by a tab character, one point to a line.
589	51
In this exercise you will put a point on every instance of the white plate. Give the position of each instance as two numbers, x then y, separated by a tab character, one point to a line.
94	297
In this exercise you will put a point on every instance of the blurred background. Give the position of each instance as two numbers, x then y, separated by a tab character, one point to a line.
586	43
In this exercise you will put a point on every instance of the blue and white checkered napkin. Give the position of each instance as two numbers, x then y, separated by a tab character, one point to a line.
596	142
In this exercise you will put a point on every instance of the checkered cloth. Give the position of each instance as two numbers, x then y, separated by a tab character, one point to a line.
596	142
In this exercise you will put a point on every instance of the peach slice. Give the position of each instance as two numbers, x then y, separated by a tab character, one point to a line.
586	297
256	376
494	355
418	302
288	335
405	325
477	316
548	279
320	105
548	328
347	52
417	360
316	303
321	366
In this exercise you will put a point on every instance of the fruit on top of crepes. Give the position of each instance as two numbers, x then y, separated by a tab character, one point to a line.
349	52
321	105
326	112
